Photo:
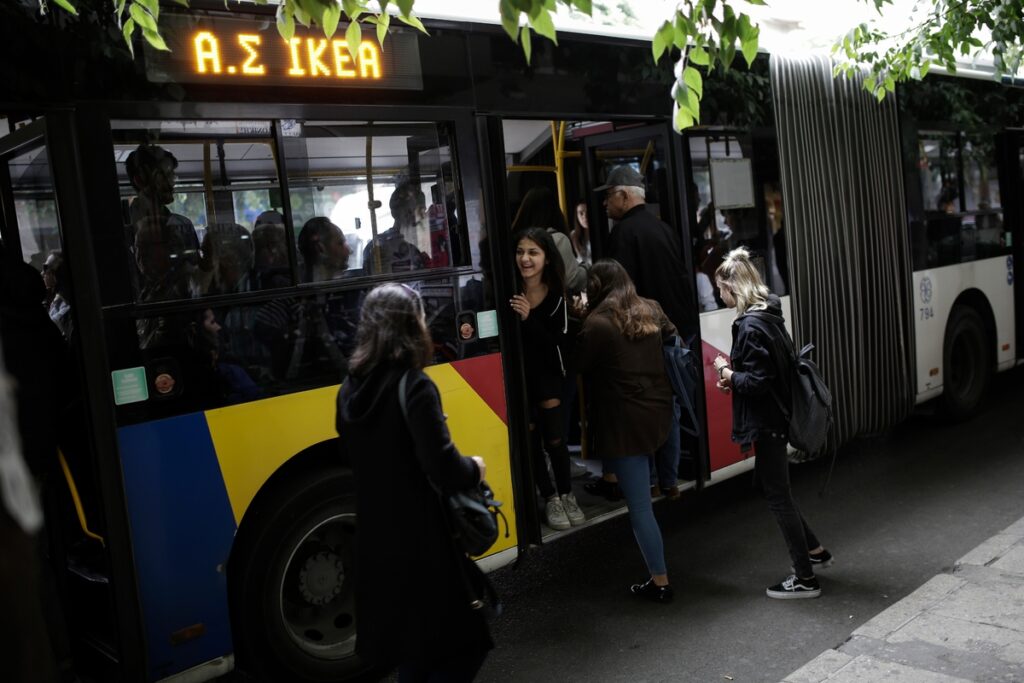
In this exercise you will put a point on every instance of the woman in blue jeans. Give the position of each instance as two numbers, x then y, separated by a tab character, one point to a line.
630	401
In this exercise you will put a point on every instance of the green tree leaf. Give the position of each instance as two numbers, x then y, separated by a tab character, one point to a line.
663	39
524	37
156	40
352	8
414	21
285	22
68	7
330	19
681	119
699	55
383	21
152	6
404	7
127	30
749	48
693	79
544	26
509	19
354	37
142	17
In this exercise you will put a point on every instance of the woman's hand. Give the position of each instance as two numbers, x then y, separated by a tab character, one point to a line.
578	306
724	383
521	306
481	465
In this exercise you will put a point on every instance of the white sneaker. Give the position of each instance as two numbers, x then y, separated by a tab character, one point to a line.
572	510
554	511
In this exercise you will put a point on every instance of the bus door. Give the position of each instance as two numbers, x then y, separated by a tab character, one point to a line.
1011	180
45	218
653	151
734	199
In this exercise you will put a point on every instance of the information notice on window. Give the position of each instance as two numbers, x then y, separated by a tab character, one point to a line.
732	183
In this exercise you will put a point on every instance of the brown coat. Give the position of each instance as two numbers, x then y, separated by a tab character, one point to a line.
629	396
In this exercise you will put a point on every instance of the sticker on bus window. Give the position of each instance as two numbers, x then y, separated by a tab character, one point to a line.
487	324
129	385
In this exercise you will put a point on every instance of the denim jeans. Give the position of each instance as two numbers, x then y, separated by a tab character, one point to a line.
665	463
771	467
633	472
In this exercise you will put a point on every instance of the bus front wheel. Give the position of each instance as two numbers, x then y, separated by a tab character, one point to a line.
966	361
293	599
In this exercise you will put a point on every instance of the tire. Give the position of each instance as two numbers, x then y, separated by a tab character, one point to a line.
966	363
291	582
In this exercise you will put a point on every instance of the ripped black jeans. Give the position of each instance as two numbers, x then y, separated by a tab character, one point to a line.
547	434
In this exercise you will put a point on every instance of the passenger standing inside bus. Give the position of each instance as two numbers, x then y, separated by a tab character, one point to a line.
391	251
619	353
752	377
545	319
540	209
411	585
652	254
581	233
325	252
152	171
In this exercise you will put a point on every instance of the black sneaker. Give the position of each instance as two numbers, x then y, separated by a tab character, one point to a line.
822	560
795	589
648	589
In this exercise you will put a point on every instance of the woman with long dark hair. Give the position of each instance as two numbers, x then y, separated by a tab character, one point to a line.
545	320
540	209
630	401
754	373
413	582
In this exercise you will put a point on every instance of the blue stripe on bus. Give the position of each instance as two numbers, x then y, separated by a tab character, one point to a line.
182	528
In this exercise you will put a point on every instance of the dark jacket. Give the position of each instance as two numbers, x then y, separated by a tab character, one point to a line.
755	362
652	254
411	596
544	353
630	398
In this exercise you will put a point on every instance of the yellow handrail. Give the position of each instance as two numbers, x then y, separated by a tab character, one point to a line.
79	510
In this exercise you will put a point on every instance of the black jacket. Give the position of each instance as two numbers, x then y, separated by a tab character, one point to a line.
652	254
411	596
544	348
756	359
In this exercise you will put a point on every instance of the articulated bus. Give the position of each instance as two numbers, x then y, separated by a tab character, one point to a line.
225	207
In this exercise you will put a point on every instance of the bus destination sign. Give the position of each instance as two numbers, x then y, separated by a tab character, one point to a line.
237	51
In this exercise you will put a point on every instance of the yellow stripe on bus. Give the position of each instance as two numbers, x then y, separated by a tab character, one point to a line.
253	440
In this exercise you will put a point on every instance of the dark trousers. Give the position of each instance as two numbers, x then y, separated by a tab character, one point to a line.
772	471
461	670
547	437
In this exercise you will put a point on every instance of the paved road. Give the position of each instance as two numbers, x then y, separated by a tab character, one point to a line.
900	508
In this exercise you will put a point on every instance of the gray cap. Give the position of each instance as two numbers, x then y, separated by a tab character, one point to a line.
621	176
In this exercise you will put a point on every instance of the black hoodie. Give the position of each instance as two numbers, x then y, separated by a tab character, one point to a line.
756	359
410	592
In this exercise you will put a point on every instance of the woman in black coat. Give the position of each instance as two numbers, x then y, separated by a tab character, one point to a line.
412	582
758	380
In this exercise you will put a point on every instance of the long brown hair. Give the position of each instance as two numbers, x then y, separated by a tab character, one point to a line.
392	330
609	288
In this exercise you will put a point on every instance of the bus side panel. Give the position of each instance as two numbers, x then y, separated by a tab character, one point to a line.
716	336
716	333
936	290
182	529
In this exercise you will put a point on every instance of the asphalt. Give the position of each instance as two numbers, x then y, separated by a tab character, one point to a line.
965	624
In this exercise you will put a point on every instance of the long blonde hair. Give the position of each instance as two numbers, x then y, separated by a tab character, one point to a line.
738	273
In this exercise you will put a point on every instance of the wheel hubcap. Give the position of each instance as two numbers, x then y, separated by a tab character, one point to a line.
317	603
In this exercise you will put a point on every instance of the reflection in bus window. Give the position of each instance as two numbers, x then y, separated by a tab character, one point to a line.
199	188
388	188
35	206
961	218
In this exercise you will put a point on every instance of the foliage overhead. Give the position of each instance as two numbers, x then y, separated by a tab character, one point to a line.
706	33
943	30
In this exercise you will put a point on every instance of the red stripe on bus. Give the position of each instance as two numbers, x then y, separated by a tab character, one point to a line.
483	374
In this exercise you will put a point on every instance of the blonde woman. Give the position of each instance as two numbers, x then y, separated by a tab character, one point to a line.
757	374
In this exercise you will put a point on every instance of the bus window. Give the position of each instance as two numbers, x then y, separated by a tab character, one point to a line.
961	218
35	206
736	200
194	194
371	198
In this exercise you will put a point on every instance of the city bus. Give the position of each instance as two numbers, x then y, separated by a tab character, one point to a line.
224	208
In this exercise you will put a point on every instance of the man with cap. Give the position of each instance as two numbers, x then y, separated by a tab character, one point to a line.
652	254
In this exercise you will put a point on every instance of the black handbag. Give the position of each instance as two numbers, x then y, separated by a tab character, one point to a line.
472	514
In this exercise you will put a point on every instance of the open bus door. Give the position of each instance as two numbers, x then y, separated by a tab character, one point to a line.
653	151
1010	146
44	205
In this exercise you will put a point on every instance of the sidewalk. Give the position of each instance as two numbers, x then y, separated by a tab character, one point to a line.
967	625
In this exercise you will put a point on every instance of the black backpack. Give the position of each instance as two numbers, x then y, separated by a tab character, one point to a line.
809	412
